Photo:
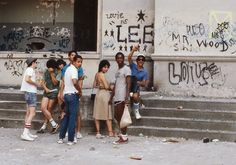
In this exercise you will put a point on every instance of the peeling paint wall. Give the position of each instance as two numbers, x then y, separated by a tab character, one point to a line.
37	25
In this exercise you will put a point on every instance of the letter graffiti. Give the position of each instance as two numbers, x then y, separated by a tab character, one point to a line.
195	73
194	30
15	66
35	38
121	33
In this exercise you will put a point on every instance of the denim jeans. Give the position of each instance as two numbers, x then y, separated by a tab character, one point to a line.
31	99
70	118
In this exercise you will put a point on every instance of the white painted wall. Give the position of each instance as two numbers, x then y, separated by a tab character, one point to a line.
195	48
12	66
195	27
125	23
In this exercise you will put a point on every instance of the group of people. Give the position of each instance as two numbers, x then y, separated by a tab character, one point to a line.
62	85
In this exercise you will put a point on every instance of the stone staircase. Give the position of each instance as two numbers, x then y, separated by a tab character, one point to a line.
162	116
187	117
12	112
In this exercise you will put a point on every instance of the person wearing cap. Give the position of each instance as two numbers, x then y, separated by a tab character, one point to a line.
139	79
29	86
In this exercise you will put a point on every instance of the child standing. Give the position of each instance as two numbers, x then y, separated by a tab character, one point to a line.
29	86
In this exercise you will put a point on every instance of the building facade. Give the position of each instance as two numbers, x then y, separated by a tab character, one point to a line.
190	46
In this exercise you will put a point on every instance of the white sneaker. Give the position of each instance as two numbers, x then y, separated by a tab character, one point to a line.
75	140
60	141
26	137
70	143
32	136
79	135
137	114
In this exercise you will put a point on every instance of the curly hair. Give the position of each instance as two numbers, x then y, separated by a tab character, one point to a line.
120	53
51	63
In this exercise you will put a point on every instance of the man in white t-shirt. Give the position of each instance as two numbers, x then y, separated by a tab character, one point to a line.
121	94
71	97
29	86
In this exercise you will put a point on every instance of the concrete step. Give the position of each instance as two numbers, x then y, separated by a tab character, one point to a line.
19	114
186	123
190	113
87	125
190	103
4	104
19	123
16	96
182	133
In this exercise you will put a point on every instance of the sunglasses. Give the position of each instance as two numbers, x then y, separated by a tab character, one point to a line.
140	59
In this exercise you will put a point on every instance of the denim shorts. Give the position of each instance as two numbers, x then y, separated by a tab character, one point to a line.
31	99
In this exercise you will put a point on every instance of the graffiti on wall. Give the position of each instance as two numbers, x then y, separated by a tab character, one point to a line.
121	31
16	67
14	37
198	73
217	35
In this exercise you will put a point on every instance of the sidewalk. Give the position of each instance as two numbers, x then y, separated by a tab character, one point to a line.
90	151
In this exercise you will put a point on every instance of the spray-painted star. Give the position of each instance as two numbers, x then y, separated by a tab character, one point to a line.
141	16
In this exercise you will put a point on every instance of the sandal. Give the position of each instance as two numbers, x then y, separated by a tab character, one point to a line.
99	136
111	134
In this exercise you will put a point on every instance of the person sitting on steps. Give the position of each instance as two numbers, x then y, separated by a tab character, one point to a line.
139	79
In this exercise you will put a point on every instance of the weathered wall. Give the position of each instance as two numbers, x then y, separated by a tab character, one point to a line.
195	28
12	66
36	25
195	48
125	23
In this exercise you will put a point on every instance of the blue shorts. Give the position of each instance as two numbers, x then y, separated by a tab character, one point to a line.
31	99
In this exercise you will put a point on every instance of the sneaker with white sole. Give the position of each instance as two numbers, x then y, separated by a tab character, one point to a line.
75	140
69	143
26	137
32	136
137	114
121	140
60	141
79	135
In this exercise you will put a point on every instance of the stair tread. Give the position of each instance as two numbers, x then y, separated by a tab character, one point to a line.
190	99
183	129
187	109
18	119
14	101
189	119
17	110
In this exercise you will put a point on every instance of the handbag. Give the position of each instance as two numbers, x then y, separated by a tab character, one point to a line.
125	119
93	94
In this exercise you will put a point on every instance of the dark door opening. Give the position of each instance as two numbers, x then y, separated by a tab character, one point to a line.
85	25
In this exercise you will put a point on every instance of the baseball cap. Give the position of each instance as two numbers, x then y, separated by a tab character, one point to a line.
29	60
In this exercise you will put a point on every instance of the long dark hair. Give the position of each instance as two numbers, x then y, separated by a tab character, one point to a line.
102	64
